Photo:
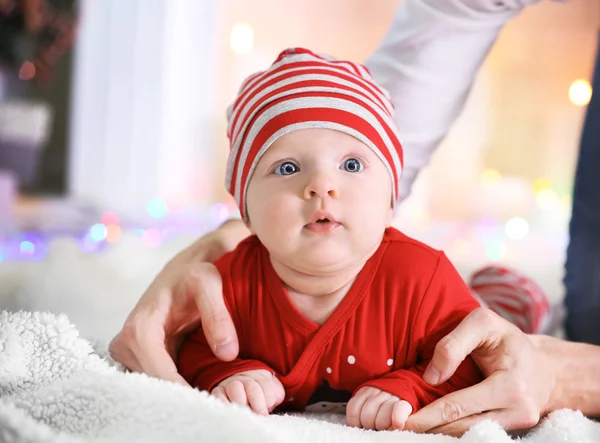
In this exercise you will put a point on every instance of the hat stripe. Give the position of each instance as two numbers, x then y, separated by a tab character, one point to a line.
284	62
360	69
254	94
384	124
354	67
312	85
287	73
318	104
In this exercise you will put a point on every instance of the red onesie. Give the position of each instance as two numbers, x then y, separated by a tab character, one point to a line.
382	334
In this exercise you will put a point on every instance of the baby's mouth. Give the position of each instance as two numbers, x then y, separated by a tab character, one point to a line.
323	225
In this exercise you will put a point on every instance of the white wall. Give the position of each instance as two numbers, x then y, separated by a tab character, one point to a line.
144	74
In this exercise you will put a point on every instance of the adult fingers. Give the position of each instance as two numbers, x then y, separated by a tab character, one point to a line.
509	419
473	400
121	352
206	285
144	356
451	350
157	362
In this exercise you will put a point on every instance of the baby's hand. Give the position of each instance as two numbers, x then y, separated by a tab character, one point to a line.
372	408
259	389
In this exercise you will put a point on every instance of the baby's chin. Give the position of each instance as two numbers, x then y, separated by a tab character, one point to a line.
324	263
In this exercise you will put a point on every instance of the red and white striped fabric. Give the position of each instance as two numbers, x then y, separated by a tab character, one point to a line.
302	90
513	296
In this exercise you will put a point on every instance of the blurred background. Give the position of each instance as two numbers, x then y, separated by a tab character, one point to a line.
112	129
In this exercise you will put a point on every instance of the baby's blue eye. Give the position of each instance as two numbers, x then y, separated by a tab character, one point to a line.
286	168
353	165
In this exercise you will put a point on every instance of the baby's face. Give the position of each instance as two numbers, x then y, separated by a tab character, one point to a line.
319	200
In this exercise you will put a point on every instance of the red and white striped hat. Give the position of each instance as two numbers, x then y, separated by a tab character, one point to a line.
303	90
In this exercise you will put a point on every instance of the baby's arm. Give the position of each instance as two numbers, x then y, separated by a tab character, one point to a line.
241	381
445	303
201	369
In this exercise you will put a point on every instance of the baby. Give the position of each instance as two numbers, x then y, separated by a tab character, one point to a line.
334	309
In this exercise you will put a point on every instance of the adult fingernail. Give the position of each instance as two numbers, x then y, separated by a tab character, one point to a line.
226	348
431	375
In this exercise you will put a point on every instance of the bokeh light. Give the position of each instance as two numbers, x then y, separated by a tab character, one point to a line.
157	208
98	232
27	70
580	92
27	248
109	218
516	228
241	38
114	233
547	200
495	250
541	184
490	178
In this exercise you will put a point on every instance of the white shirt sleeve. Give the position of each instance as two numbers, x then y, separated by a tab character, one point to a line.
428	61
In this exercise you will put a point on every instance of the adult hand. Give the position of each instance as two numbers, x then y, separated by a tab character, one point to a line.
520	377
186	292
259	389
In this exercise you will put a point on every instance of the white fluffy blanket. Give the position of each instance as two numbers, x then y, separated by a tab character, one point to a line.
54	387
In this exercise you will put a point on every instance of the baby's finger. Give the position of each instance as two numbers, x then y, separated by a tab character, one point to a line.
383	420
273	391
236	392
256	397
279	392
268	390
371	408
219	393
354	407
400	414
